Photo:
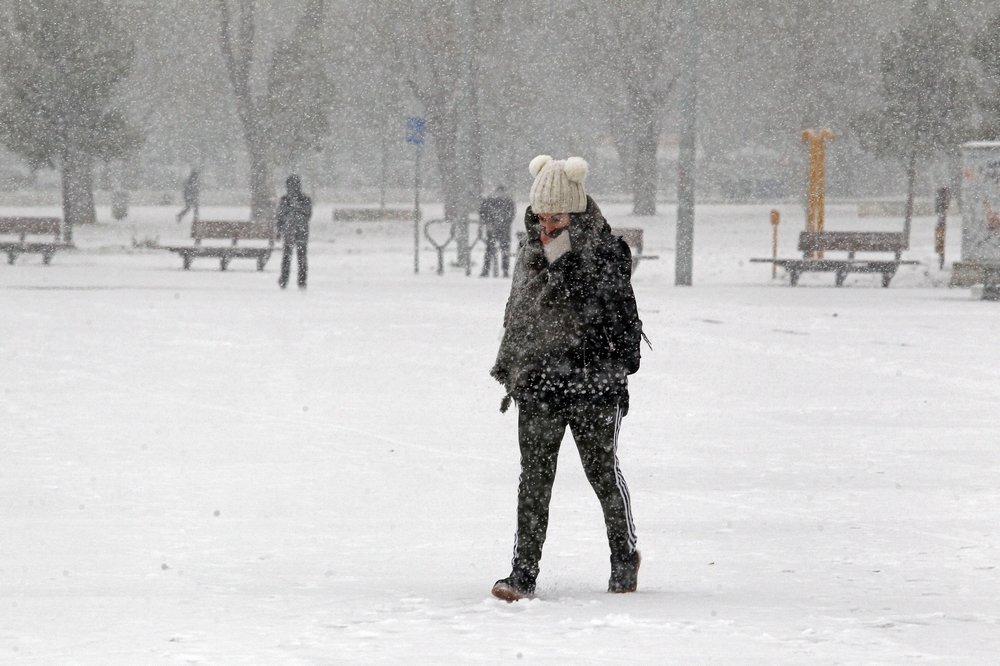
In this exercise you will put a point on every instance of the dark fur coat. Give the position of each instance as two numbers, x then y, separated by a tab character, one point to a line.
571	328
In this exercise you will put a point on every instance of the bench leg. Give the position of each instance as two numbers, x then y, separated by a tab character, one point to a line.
223	263
793	277
11	257
187	262
261	261
46	258
887	278
991	286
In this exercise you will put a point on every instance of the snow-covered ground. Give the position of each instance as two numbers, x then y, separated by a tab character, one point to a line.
196	467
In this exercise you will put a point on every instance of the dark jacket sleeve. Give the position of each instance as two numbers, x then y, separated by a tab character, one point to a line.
281	217
509	210
307	212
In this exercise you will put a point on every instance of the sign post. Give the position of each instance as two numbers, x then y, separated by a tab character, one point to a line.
775	221
415	130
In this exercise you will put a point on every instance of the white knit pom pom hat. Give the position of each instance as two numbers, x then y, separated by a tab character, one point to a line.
558	186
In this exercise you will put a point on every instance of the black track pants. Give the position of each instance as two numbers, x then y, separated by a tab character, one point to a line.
286	263
540	433
490	256
495	242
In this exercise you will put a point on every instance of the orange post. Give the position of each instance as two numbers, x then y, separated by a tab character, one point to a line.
775	220
817	178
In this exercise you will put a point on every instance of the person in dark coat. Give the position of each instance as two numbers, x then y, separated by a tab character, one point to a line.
191	192
571	338
497	213
294	212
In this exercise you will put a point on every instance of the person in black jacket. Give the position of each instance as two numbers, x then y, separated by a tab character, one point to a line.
571	338
497	212
294	211
191	192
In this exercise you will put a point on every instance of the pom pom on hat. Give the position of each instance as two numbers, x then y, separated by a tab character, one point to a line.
538	164
558	186
576	169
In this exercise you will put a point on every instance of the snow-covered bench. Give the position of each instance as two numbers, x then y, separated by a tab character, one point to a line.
30	226
633	238
816	242
234	231
971	273
372	215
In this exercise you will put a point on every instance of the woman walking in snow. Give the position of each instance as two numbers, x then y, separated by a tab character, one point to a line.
571	338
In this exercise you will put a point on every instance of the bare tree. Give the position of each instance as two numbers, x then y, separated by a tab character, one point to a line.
291	114
428	45
925	96
374	91
505	101
633	40
427	36
61	62
986	51
238	53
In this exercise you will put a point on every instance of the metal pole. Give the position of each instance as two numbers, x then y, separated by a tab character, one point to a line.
911	175
686	160
416	212
775	220
465	136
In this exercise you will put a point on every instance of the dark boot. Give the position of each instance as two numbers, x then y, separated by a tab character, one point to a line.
625	573
514	588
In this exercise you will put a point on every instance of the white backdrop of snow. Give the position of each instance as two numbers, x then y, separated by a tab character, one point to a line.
198	468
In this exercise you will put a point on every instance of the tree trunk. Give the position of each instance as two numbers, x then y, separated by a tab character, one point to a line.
77	191
476	185
261	187
644	171
444	129
237	52
385	171
475	146
911	177
622	134
955	182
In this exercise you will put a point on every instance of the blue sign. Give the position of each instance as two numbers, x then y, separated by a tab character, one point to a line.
415	128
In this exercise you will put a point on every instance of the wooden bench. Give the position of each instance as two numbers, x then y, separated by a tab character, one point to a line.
971	273
31	226
631	236
235	231
372	215
814	242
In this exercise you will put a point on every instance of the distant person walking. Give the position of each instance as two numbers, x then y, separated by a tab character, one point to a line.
497	212
294	212
571	338
192	189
